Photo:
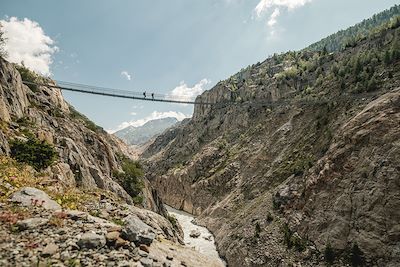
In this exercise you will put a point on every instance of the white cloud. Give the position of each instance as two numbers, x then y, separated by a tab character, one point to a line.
133	113
272	19
26	42
125	74
264	6
185	93
153	116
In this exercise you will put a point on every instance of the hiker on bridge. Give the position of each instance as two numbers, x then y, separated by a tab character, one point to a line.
152	96
144	94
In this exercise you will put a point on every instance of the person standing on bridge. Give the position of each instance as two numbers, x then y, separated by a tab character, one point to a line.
152	96
144	94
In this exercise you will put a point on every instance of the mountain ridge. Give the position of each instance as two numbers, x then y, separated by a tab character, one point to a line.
254	172
139	135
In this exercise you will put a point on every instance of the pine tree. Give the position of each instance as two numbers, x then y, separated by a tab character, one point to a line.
3	52
387	58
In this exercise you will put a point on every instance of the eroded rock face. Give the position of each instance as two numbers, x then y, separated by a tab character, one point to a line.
352	193
86	154
304	172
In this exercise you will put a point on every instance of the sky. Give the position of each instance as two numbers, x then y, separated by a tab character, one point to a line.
178	48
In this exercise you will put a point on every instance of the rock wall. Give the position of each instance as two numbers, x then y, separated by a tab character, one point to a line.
292	160
87	155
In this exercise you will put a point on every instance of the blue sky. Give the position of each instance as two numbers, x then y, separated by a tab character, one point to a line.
164	45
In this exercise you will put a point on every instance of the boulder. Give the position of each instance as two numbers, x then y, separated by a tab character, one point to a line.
91	240
195	233
112	236
30	196
137	231
31	223
146	262
62	172
50	250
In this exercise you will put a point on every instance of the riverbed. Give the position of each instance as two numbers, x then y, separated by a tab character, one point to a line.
205	243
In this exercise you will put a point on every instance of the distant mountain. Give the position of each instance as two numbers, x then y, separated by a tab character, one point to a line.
140	135
350	36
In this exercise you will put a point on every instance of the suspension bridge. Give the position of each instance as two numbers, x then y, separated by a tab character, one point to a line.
143	96
104	91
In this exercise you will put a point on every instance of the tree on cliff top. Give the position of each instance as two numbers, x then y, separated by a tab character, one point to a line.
3	52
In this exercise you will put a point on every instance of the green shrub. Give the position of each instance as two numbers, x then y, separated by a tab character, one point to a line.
270	218
28	76
292	240
257	230
329	254
356	256
24	121
173	221
130	178
74	114
118	221
38	154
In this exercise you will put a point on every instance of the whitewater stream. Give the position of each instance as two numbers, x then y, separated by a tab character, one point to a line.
204	243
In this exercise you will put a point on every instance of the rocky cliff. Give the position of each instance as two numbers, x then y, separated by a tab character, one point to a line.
297	163
86	155
64	188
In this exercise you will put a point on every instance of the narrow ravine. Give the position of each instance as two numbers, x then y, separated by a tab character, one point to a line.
205	243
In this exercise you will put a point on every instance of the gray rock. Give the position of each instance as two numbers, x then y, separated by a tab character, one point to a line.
112	236
137	231
143	254
31	223
50	250
146	239
90	240
28	196
146	262
194	233
76	215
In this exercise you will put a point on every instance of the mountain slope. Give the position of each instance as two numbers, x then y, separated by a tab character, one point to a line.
339	40
69	193
85	155
289	166
141	134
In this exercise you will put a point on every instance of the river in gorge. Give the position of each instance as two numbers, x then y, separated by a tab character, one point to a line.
204	243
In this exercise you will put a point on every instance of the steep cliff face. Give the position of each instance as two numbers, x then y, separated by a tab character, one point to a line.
87	155
74	210
297	161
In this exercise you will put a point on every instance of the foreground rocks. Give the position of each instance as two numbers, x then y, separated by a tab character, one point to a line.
129	236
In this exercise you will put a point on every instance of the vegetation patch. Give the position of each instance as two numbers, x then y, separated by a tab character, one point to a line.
130	178
356	256
172	220
74	114
296	164
28	76
257	230
329	254
292	239
118	221
38	154
73	199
